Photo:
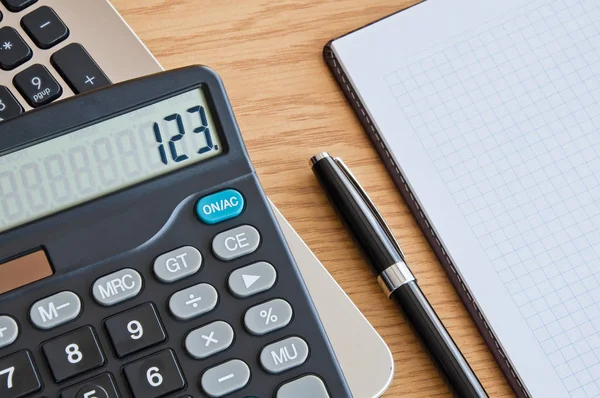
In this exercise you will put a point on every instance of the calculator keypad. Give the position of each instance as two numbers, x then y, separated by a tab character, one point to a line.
102	386
135	330
75	353
18	376
222	334
155	376
9	331
44	27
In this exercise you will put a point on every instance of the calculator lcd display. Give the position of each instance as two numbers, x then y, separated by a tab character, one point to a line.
106	157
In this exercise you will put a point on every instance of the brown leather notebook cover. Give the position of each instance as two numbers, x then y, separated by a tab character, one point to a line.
424	224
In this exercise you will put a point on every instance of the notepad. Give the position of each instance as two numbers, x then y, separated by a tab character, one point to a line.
487	115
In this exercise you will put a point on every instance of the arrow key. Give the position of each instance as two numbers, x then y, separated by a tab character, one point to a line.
252	279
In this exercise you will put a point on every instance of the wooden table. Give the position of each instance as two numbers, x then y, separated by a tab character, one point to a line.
289	108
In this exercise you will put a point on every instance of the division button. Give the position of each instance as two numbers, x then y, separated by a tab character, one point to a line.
135	330
55	310
193	301
225	378
307	386
177	264
252	279
284	355
117	287
268	317
18	377
236	242
9	331
208	340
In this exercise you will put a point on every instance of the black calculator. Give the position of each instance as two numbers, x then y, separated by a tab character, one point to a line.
140	257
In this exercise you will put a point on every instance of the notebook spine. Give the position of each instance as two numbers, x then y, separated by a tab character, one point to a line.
439	250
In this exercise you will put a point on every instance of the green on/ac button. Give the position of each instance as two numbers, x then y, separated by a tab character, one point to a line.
220	206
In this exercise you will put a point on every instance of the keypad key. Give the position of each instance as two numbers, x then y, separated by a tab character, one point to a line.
13	49
236	242
44	27
9	106
220	206
155	376
252	279
268	317
193	301
307	386
117	287
209	340
55	310
135	330
18	5
225	378
9	331
177	264
74	353
37	85
102	386
18	376
79	69
284	355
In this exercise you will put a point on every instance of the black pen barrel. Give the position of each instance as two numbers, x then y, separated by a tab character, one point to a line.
438	341
354	211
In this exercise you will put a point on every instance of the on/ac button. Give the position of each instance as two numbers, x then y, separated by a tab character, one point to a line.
220	206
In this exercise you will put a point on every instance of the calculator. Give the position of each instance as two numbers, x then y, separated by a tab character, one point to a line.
140	257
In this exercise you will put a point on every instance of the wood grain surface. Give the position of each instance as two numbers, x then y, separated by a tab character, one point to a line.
289	108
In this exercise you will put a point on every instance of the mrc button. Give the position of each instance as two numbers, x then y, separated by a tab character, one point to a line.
177	264
117	287
220	206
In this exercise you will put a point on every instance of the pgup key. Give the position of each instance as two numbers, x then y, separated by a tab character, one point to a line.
37	85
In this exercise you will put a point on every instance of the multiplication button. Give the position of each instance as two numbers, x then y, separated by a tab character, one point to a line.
268	317
193	301
209	340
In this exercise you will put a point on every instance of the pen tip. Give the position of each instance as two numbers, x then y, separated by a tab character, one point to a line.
318	157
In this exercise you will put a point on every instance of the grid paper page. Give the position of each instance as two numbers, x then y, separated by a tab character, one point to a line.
510	117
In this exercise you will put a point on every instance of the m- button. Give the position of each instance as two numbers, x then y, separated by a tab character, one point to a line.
177	264
117	287
55	310
236	242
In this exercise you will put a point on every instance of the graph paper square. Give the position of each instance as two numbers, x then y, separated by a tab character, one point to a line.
510	118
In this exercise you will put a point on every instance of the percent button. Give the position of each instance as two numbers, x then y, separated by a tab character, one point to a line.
268	317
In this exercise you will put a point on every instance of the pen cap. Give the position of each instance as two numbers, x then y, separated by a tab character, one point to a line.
356	213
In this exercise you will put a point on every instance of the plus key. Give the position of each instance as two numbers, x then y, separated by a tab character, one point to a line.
78	69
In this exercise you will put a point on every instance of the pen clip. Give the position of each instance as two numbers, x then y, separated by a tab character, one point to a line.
370	204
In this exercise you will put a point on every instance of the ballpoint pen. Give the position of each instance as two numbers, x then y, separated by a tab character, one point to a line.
387	259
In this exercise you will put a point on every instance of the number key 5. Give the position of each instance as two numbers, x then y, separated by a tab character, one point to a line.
74	353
